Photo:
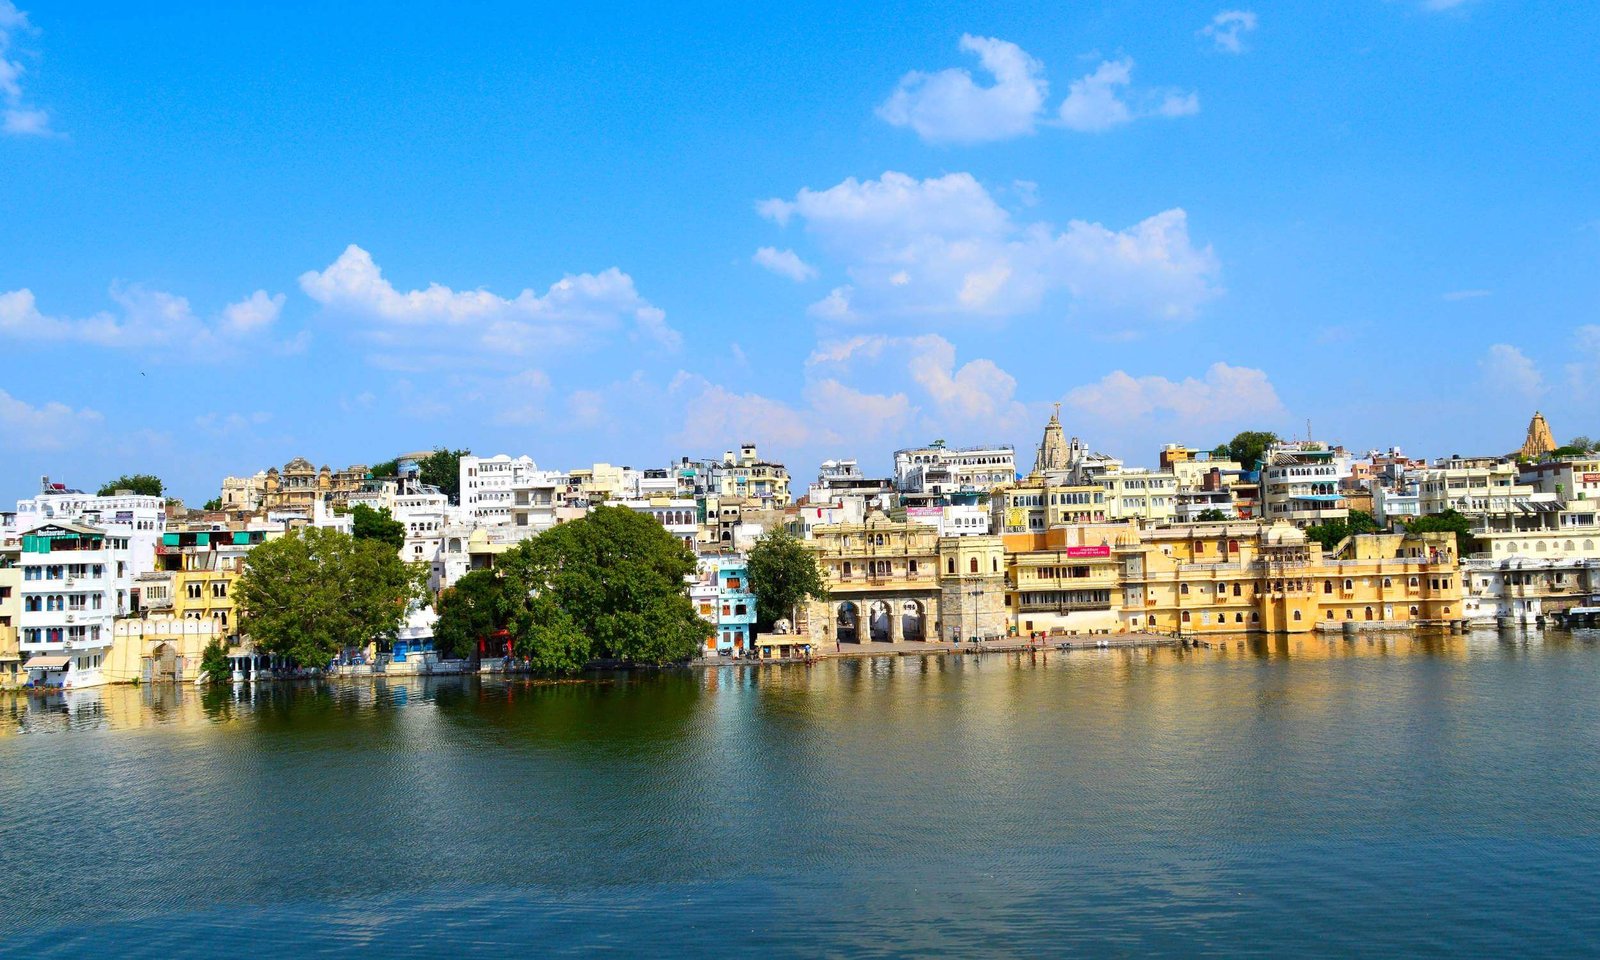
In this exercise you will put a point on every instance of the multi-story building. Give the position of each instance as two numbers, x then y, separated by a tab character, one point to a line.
1528	589
1300	484
136	518
486	484
76	580
839	481
750	478
1036	504
1484	489
951	519
10	612
1246	578
300	485
735	607
679	517
1066	579
1190	466
939	473
205	561
1569	479
883	582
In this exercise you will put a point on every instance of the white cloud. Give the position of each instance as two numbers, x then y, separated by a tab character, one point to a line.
1505	367
1227	29
577	310
979	392
1455	296
149	320
1227	394
1442	4
16	115
944	246
1583	373
716	417
53	426
785	263
950	107
1106	98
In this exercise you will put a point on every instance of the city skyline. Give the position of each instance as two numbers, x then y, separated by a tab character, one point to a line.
591	238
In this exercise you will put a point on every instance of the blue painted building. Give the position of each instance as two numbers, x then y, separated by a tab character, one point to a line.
736	607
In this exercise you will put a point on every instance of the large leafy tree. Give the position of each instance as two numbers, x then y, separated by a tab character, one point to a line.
379	525
473	609
610	585
385	470
1450	521
782	574
1332	533
1248	447
314	592
442	469
145	484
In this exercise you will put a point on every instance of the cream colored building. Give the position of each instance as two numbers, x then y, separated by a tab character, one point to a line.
10	614
159	649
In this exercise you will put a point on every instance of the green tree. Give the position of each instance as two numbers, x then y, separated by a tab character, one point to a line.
1212	515
314	592
1249	446
473	609
215	503
214	665
1571	450
442	469
144	484
609	585
1583	443
783	572
385	470
1332	533
370	524
1450	521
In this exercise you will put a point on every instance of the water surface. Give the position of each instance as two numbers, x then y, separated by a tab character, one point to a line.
1302	797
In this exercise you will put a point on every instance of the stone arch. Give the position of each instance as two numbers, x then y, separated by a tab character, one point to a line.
878	626
912	621
847	623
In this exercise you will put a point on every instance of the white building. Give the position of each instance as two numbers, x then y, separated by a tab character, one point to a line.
1300	484
939	471
486	484
76	580
679	517
133	517
953	520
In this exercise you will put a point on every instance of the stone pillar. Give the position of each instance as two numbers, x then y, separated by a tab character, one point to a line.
896	628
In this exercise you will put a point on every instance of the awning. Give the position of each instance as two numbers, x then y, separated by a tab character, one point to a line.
47	663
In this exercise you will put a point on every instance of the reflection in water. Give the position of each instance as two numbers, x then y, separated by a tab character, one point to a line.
1240	798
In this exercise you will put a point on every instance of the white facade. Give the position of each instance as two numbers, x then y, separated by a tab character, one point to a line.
679	517
76	580
953	520
133	517
937	470
1300	484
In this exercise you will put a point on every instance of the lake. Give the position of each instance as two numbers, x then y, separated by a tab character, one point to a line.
1295	797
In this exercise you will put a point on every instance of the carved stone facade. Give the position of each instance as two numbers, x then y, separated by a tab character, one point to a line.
299	485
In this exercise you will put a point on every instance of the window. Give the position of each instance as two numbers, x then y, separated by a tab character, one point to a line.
219	589
194	591
733	583
950	565
1184	590
739	610
973	565
1297	615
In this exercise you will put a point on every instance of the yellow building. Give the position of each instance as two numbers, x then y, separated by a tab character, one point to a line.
10	615
1035	505
159	649
299	485
883	582
1067	579
1238	578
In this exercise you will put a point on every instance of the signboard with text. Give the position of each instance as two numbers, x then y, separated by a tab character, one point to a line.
1088	551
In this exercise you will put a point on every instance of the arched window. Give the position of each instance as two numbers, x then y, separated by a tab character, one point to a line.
1349	585
1349	614
1412	583
950	565
1330	615
1185	616
1297	615
1387	583
1183	589
972	565
1327	586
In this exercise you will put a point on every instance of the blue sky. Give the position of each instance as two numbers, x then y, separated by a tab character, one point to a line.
229	237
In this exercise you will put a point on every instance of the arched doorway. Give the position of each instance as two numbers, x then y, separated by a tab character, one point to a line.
878	622
848	629
911	620
164	663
